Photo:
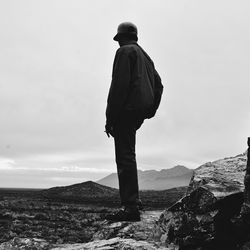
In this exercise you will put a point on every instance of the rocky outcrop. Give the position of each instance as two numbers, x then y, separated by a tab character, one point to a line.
208	217
221	177
111	244
246	206
142	230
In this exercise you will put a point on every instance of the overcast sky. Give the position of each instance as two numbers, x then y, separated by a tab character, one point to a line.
55	70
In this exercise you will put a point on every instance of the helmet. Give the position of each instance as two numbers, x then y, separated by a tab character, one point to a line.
127	30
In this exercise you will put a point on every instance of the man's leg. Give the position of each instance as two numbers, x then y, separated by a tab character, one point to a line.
125	139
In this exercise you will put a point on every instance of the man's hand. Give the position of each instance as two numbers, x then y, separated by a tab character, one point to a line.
109	130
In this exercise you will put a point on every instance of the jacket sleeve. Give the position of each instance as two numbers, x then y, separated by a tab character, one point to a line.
118	91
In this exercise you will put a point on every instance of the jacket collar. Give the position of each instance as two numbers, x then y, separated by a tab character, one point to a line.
127	43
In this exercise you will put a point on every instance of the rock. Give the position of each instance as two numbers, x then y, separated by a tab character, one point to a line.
199	200
246	246
41	216
221	177
246	206
114	243
25	243
142	230
208	216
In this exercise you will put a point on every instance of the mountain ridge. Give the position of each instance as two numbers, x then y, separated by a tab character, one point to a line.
155	179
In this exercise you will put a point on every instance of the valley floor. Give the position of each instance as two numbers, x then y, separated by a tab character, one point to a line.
30	221
40	225
28	217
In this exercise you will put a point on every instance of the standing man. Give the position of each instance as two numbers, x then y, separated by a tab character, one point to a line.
134	94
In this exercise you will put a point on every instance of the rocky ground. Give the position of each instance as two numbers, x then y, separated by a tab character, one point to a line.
55	222
67	226
52	216
208	217
31	223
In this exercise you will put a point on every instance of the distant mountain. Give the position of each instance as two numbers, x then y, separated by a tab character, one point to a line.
177	176
85	190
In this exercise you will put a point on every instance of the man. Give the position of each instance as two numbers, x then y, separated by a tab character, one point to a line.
134	95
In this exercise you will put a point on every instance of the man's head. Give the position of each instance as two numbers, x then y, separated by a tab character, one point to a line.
126	31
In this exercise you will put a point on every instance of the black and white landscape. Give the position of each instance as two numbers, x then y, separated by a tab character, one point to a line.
58	176
75	213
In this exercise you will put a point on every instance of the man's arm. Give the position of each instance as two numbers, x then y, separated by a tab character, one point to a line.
119	86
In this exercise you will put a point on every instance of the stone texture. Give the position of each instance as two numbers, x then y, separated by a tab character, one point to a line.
246	246
114	243
25	244
119	235
142	230
246	206
221	177
208	216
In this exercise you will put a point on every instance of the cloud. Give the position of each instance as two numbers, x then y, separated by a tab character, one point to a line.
83	169
7	164
88	162
64	169
66	180
58	157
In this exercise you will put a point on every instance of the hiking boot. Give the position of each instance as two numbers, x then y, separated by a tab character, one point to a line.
126	214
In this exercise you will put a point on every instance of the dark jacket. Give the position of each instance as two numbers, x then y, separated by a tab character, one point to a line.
136	86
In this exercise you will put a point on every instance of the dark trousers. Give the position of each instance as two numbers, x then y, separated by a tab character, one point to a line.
125	139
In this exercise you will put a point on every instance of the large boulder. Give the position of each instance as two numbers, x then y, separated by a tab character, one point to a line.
208	216
221	177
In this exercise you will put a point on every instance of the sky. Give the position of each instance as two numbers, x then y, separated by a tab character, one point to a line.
56	61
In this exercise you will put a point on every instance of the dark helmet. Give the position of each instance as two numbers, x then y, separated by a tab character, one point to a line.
126	30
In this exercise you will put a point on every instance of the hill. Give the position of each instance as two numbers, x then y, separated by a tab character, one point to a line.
87	192
177	176
84	189
93	193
